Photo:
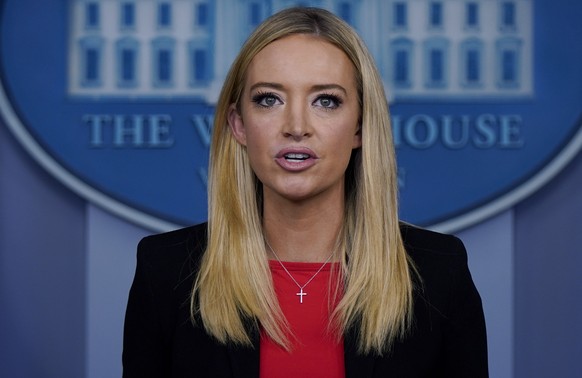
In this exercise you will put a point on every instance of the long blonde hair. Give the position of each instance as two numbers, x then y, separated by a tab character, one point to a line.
233	289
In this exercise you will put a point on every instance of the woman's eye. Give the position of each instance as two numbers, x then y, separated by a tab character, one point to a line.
265	100
328	102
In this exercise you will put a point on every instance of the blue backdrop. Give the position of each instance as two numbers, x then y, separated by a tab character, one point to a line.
66	264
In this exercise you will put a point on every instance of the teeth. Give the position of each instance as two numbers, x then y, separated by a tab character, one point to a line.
296	156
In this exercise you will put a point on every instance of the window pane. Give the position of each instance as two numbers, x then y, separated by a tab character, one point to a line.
472	14
202	14
400	14
255	16
164	15
472	66
508	67
164	66
92	64
401	67
128	65
436	16
436	65
199	65
92	15
128	14
508	14
345	12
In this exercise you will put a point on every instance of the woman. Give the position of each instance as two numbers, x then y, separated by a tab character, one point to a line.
303	267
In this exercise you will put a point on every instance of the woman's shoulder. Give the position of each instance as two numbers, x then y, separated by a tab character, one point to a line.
173	253
436	256
193	237
449	326
423	243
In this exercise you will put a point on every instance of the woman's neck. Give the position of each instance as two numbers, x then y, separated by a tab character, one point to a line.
306	232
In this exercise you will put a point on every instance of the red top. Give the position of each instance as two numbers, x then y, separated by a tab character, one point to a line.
314	352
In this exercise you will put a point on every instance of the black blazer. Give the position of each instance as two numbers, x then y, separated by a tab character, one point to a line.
448	337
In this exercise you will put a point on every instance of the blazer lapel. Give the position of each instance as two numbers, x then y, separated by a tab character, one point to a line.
356	365
244	360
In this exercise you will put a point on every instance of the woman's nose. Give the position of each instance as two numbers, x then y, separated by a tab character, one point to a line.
297	123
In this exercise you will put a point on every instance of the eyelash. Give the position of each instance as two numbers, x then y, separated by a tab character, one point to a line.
260	96
336	99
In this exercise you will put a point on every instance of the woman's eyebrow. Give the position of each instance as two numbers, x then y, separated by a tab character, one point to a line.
267	85
323	87
314	88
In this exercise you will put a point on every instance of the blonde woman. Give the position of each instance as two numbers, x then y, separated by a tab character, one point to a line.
303	269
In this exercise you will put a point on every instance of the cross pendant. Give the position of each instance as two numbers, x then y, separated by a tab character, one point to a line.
301	294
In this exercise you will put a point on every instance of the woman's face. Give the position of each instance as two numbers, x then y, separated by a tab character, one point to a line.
298	117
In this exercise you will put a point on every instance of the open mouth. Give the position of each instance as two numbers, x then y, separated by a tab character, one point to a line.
296	157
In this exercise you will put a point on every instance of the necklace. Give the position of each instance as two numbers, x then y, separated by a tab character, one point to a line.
301	293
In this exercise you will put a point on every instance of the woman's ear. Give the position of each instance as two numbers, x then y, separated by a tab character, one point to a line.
357	143
237	125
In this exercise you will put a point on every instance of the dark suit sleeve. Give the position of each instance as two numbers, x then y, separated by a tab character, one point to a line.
144	352
464	334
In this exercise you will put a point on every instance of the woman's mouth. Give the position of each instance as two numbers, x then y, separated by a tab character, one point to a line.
296	159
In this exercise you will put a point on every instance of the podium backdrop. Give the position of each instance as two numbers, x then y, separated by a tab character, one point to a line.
105	116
